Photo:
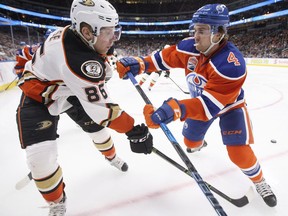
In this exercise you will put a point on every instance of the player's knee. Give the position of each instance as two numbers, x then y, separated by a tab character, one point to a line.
42	159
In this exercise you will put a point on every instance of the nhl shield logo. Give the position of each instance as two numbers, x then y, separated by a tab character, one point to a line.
192	62
92	69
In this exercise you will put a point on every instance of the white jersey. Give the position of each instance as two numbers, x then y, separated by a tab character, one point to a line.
65	66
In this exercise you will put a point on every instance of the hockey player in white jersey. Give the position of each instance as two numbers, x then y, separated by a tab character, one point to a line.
67	75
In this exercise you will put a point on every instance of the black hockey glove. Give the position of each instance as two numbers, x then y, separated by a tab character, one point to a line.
167	74
141	141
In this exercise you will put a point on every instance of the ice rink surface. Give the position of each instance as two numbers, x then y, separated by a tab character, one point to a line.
152	186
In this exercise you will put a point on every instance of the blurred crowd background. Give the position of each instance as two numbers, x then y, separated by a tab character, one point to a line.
263	39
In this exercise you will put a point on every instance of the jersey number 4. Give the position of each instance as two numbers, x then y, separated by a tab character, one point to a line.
232	59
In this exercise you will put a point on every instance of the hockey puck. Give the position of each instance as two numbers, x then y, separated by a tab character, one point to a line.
273	141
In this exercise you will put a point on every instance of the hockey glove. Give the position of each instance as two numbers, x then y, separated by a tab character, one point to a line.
170	110
135	65
148	111
141	141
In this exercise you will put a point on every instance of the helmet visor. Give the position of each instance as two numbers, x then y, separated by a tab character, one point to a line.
117	32
111	33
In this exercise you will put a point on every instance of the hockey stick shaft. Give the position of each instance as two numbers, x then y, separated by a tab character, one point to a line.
194	173
240	202
185	92
11	83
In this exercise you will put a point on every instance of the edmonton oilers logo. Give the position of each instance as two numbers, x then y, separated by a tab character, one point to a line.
196	80
192	62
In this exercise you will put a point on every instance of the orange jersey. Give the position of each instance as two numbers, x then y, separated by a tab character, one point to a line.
22	56
215	81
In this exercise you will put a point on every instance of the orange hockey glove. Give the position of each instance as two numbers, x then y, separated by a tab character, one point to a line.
148	111
170	110
135	65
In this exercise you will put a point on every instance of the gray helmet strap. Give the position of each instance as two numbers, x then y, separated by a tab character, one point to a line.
212	43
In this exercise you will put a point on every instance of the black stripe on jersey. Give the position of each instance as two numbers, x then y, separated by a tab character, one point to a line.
42	49
82	60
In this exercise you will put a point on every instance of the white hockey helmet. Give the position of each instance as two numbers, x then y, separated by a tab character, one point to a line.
96	13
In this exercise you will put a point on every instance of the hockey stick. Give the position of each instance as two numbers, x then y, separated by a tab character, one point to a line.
11	83
240	202
25	181
185	92
191	169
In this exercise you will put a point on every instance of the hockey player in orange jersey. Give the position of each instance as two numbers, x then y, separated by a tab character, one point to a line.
22	56
68	75
25	53
215	73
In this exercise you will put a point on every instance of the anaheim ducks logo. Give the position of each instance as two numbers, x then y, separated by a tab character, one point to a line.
44	125
92	69
89	3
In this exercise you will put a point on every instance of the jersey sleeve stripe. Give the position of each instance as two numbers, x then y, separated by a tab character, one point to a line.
206	110
158	61
213	99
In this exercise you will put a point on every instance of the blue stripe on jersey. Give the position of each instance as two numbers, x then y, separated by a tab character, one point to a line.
241	95
159	61
239	98
213	108
20	52
30	51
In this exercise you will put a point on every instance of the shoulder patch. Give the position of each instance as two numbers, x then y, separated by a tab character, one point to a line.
92	69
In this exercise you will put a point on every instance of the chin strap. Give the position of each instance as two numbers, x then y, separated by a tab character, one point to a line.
212	43
92	42
89	43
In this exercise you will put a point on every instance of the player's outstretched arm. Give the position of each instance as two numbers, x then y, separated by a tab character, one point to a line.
135	65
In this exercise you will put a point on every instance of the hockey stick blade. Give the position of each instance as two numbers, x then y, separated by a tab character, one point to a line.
239	202
24	182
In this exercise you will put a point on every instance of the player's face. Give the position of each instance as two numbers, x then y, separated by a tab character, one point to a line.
106	39
35	47
202	35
